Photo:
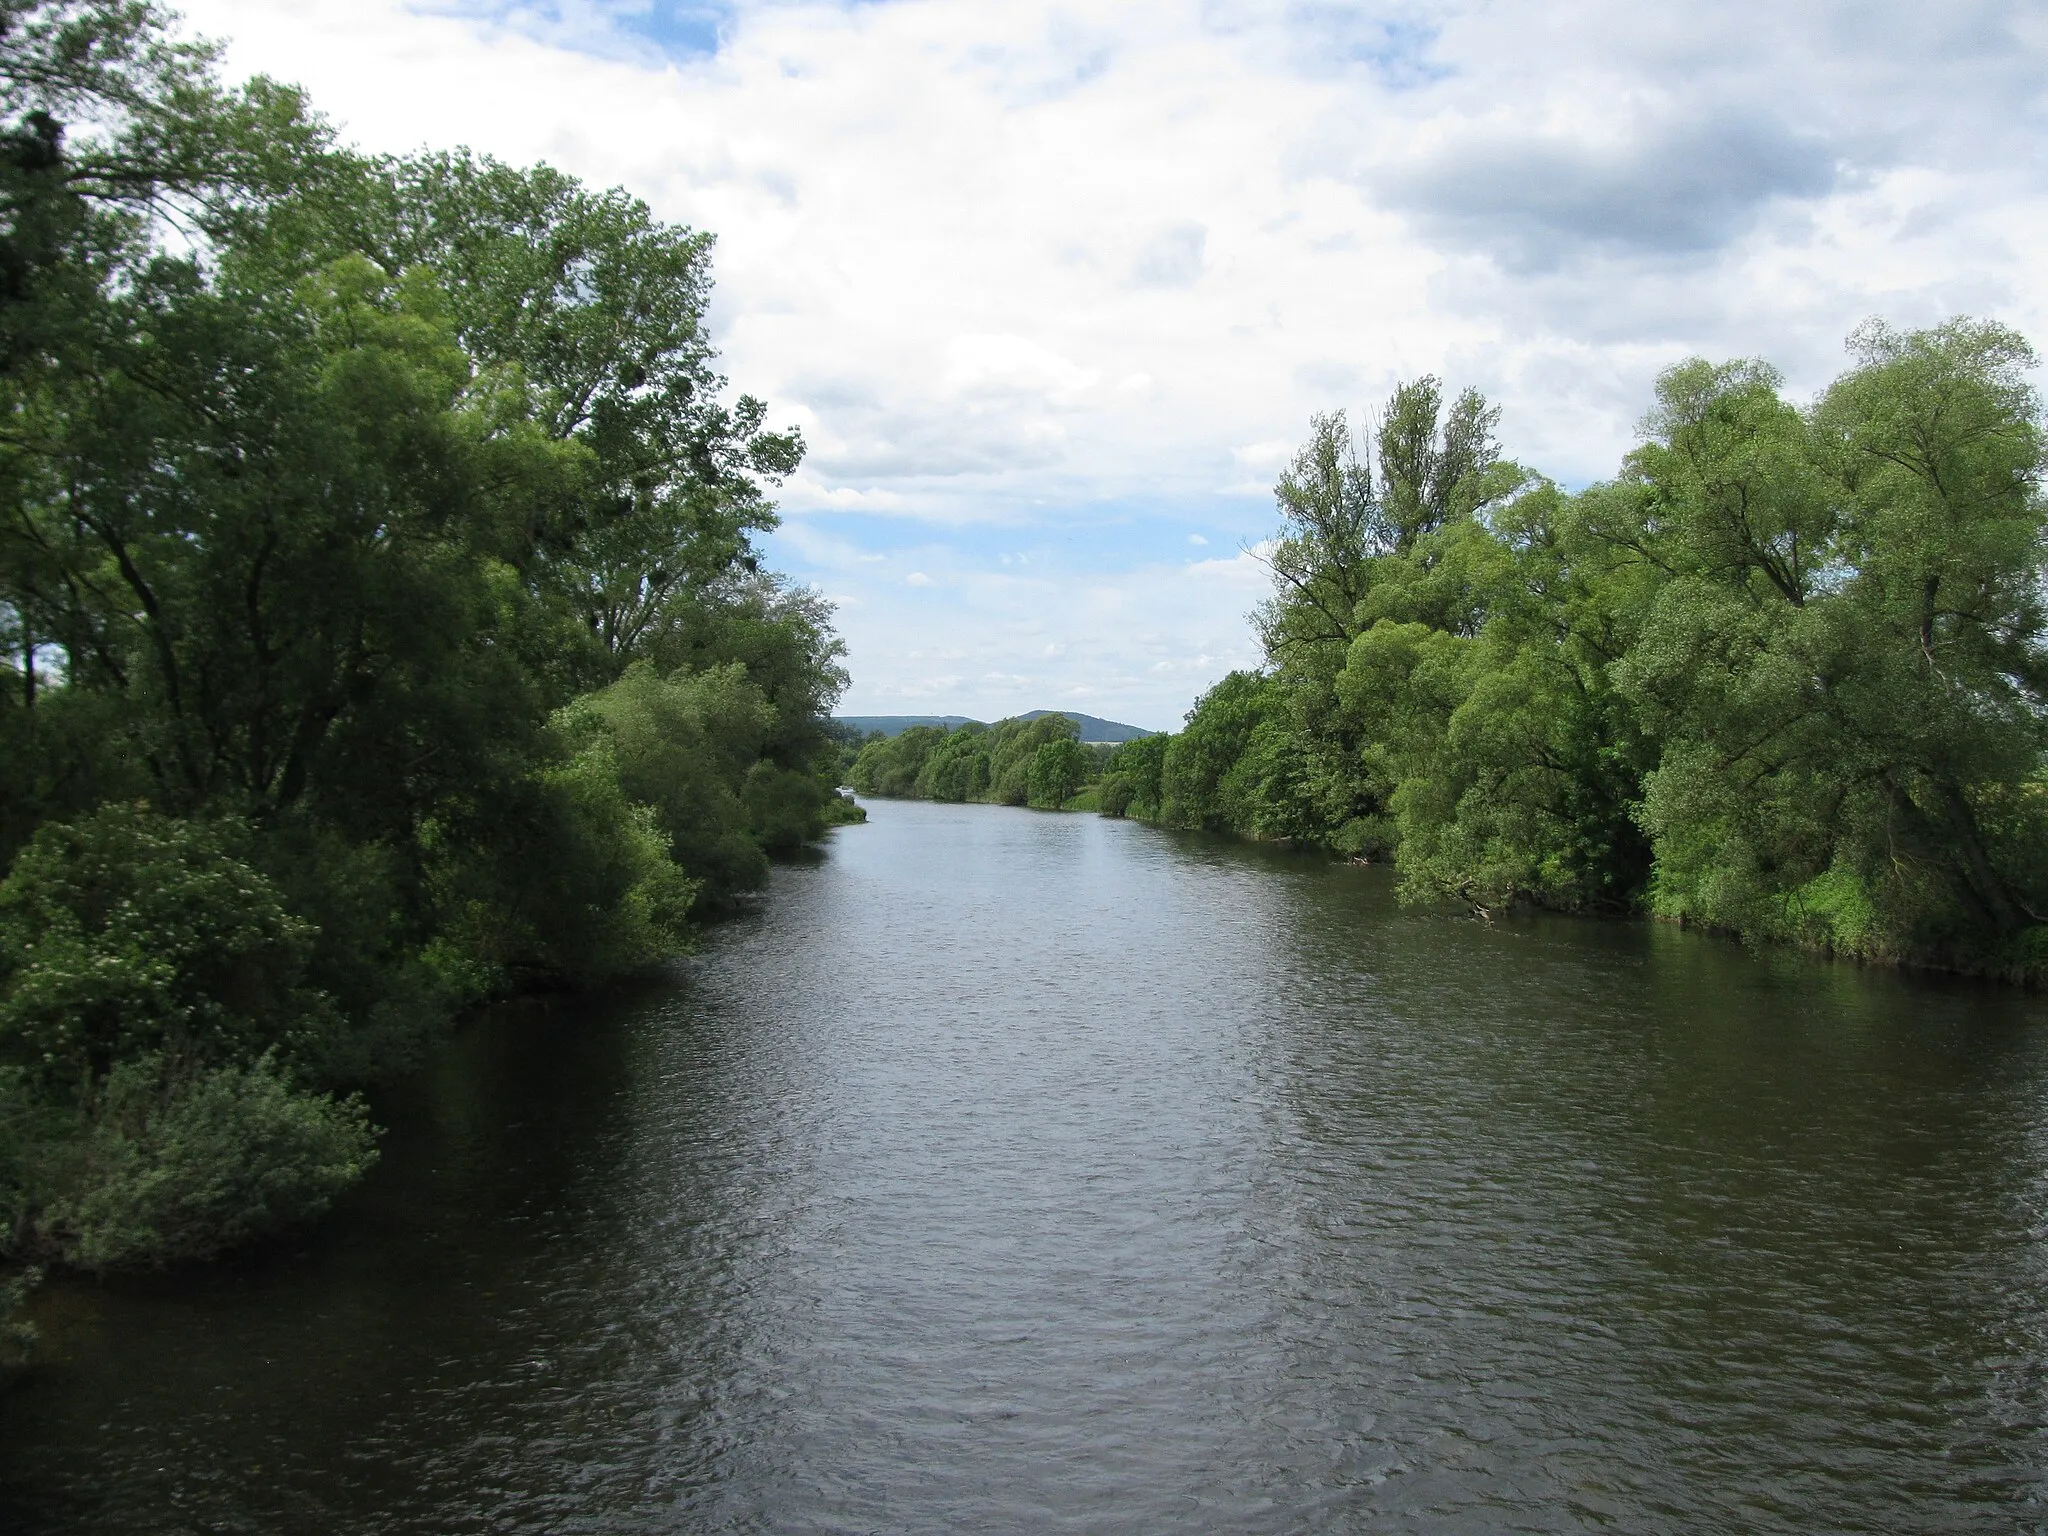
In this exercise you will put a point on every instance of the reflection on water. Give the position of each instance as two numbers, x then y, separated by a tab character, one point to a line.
1018	1171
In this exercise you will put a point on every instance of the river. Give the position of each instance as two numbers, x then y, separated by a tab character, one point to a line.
1023	1172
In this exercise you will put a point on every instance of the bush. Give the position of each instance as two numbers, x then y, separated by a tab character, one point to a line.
842	811
890	765
127	932
174	1167
785	808
35	1140
684	744
959	769
390	998
577	883
1131	778
17	1333
1013	747
1198	762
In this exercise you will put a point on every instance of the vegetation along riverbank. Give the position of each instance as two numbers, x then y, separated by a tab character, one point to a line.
380	627
1026	761
1783	676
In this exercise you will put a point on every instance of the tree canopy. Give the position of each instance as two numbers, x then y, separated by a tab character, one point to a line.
1785	675
381	625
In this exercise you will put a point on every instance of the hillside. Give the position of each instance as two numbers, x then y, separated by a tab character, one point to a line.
1093	728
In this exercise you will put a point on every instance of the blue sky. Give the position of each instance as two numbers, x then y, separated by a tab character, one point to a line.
1053	289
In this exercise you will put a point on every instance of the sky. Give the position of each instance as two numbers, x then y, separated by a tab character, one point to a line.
1052	290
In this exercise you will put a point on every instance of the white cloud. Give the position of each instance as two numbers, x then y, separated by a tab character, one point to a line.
1263	455
1027	267
980	367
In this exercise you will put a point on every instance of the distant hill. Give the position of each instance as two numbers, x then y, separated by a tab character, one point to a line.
1092	727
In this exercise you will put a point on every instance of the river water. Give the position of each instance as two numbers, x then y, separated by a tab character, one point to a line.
1027	1172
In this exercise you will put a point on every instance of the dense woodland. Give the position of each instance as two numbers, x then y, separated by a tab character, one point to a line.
1783	676
380	626
1037	762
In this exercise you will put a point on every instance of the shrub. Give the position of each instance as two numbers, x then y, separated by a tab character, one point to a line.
17	1333
684	744
128	932
176	1166
578	883
785	808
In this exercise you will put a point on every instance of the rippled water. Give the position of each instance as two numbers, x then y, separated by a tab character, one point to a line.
1020	1172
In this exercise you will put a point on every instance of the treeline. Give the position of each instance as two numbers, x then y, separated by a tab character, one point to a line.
380	626
1783	676
1013	762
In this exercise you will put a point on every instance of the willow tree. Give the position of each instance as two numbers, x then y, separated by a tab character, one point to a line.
1848	666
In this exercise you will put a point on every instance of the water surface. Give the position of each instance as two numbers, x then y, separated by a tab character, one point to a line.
1024	1172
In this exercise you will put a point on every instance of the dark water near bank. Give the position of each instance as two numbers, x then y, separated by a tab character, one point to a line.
1017	1172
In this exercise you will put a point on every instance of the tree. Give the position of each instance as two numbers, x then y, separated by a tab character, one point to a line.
959	769
1131	781
1058	770
379	623
1848	665
599	307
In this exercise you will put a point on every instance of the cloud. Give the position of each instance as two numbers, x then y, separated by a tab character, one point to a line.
1058	282
1328	376
1266	455
805	491
1013	366
1536	202
1000	636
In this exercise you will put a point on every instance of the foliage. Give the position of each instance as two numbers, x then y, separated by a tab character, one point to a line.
1057	771
889	765
684	745
1014	745
1037	762
130	932
1848	660
1132	779
1784	675
177	1165
17	1334
380	622
958	768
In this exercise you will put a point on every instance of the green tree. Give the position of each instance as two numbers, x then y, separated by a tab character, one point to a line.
379	623
889	765
959	768
177	1166
1849	677
1013	745
1058	770
1510	764
1131	780
599	309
